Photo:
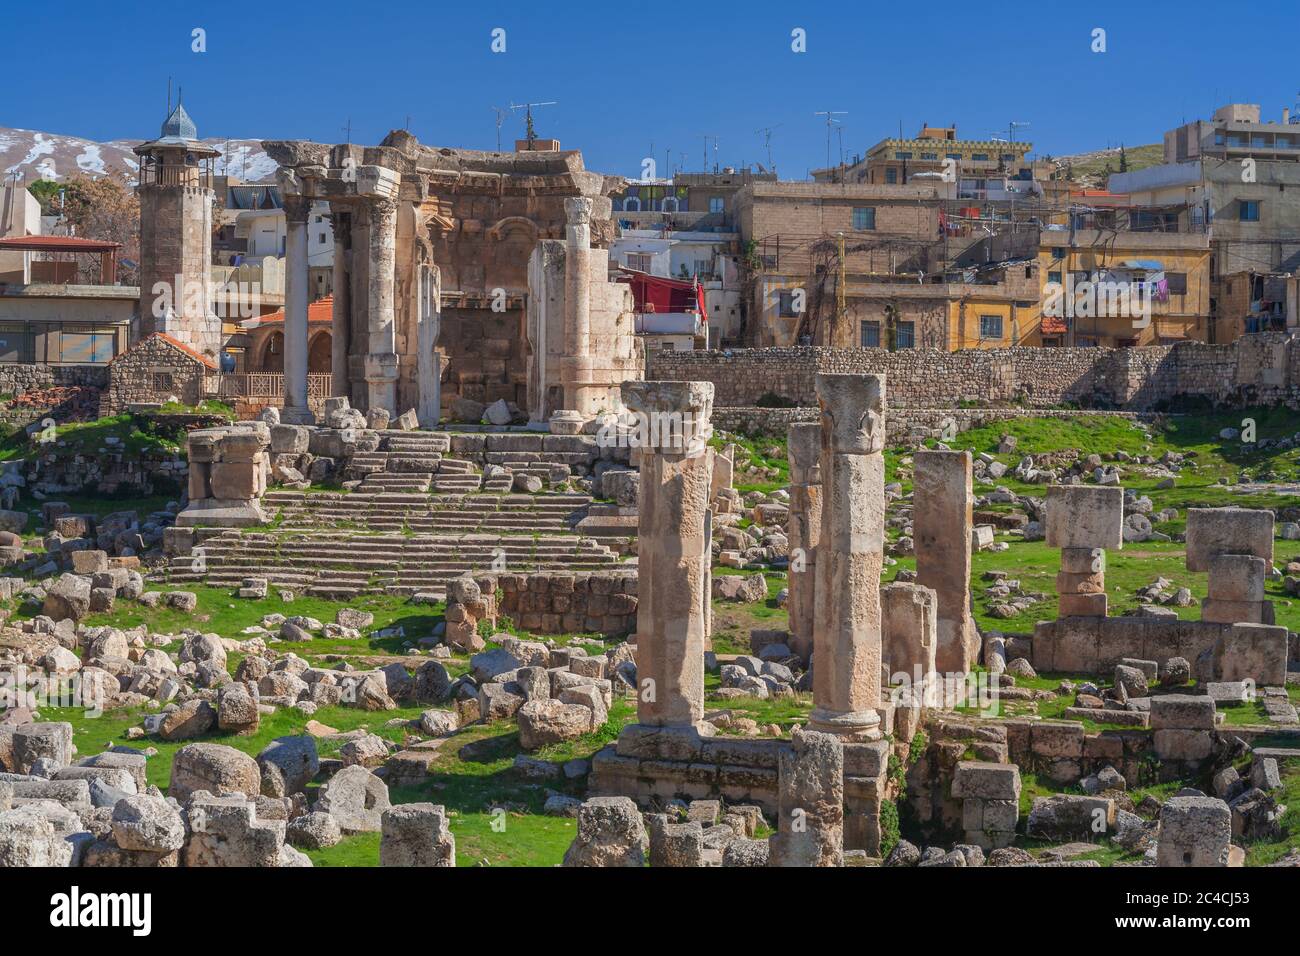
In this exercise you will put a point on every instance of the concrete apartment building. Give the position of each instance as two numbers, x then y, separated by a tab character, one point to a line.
937	150
1237	177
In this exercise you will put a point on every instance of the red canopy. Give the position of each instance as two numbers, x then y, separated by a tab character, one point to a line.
660	294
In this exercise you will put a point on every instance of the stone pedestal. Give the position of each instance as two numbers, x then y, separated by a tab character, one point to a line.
672	549
228	474
1084	520
846	638
941	532
804	530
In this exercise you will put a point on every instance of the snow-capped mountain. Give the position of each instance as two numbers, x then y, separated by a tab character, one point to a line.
32	154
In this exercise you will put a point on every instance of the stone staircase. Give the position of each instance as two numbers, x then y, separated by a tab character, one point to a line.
341	565
428	514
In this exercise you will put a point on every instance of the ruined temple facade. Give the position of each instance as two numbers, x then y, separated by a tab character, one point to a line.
458	274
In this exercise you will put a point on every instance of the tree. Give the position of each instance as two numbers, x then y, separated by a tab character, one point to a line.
107	208
1123	159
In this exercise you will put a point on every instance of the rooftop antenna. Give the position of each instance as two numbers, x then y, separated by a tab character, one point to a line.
1012	127
830	119
348	130
169	96
528	115
501	118
704	157
767	140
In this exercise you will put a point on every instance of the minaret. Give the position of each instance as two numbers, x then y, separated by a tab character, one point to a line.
176	200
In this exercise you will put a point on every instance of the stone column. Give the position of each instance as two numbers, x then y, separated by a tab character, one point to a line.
941	535
428	363
850	554
296	410
575	369
341	316
672	552
1083	521
803	439
381	337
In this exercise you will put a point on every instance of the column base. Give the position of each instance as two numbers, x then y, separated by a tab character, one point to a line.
297	415
851	725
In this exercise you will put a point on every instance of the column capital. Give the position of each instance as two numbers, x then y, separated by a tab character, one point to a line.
577	210
297	208
853	412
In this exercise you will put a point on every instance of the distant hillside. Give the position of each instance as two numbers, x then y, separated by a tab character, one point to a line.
1090	168
32	154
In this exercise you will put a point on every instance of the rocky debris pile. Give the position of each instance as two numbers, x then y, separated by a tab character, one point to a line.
758	542
774	672
82	542
612	831
1006	597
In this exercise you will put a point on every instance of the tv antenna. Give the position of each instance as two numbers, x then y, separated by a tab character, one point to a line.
348	130
830	121
528	114
1012	127
501	118
767	140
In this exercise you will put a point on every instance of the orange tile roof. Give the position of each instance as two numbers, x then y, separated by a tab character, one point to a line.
322	310
174	344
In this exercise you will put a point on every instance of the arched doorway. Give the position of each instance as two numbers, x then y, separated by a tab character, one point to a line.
273	354
320	356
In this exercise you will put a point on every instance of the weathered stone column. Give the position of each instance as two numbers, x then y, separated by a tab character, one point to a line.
428	363
1083	520
575	369
846	636
672	552
296	411
381	340
803	439
341	316
941	535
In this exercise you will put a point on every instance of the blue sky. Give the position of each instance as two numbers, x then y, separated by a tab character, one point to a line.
629	77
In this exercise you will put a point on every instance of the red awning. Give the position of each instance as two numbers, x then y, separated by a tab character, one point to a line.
660	294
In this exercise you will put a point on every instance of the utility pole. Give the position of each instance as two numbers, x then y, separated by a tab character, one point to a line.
830	120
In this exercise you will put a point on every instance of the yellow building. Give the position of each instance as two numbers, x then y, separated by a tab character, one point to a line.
1114	288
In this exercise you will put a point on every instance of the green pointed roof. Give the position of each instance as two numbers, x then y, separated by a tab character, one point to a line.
178	131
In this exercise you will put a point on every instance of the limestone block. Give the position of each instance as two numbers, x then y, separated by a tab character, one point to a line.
986	781
909	629
1194	831
1182	711
1085	516
1255	652
1082	605
1212	531
1237	577
1083	560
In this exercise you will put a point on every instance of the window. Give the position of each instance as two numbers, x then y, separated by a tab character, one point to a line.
990	326
929	155
1054	276
979	157
864	217
1177	282
704	267
902	155
1250	210
952	155
640	261
870	334
1008	157
787	305
1058	252
891	175
715	204
322	239
905	335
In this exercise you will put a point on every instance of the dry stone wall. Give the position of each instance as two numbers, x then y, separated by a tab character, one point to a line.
1254	369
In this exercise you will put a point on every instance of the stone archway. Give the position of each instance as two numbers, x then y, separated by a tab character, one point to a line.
320	353
272	359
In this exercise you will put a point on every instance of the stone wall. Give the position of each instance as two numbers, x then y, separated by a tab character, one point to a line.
1254	369
16	379
108	473
559	603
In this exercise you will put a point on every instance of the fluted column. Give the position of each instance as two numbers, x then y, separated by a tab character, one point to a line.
381	337
341	316
575	370
846	638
